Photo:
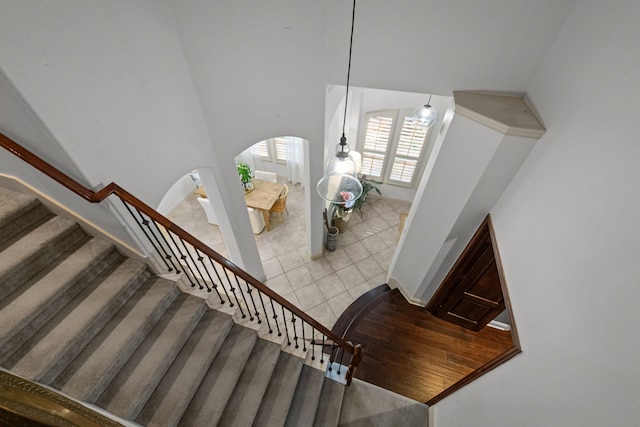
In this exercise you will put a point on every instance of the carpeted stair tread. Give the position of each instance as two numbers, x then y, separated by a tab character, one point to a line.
245	401
18	212
330	403
305	400
171	398
367	405
35	251
279	394
72	328
31	308
99	362
136	381
209	402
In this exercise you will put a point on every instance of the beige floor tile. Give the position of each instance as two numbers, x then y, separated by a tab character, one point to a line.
369	267
309	296
280	284
340	303
350	276
323	287
357	251
338	259
330	286
319	268
357	291
299	277
272	268
290	260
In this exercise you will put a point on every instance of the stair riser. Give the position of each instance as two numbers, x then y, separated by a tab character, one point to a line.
22	221
47	255
24	331
71	349
147	369
88	378
171	398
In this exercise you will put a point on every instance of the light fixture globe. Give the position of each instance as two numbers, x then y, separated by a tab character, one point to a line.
426	115
340	184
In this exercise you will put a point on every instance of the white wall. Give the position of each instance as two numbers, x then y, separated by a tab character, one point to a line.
178	192
567	230
111	84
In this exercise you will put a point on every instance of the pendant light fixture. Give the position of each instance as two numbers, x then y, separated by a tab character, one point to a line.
340	184
426	114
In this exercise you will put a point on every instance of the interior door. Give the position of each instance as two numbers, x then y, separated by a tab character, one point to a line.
471	294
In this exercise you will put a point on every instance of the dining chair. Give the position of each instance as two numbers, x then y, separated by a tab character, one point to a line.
280	206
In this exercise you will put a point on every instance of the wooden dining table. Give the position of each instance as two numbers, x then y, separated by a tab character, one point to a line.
262	197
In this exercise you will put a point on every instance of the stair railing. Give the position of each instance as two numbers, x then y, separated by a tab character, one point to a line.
204	268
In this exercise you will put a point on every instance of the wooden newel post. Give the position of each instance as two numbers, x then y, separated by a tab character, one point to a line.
358	352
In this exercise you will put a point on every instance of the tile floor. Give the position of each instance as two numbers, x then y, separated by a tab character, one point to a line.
325	286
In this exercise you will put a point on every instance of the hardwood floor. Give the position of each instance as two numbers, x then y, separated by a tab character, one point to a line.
413	353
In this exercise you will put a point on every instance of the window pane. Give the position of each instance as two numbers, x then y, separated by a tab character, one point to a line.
261	149
403	170
378	134
372	165
281	149
412	138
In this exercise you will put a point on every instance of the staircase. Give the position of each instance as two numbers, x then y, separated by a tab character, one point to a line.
81	318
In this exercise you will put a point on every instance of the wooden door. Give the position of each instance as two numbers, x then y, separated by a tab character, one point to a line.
471	294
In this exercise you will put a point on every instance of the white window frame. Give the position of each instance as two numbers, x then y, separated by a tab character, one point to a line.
257	150
390	156
271	148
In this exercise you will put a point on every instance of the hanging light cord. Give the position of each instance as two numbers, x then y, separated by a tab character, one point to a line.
343	140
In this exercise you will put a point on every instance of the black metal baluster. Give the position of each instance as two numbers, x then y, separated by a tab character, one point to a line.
244	298
266	317
146	223
194	265
313	343
304	343
183	257
221	282
233	291
295	330
170	256
213	282
331	356
275	317
145	233
341	356
255	308
286	329
173	255
322	348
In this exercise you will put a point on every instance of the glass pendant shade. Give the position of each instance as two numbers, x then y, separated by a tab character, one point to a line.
340	184
426	115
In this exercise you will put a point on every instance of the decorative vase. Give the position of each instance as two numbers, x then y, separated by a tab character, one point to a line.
332	238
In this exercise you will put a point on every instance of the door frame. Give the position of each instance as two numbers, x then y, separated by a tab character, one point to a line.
439	295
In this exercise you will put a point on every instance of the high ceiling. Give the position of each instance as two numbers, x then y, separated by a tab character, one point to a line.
441	46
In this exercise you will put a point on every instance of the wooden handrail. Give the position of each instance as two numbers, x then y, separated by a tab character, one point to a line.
115	189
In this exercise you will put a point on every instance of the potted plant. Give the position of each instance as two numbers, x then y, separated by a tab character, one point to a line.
367	185
244	171
342	212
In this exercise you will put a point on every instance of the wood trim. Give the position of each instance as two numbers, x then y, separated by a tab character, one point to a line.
27	403
503	283
115	189
439	295
475	374
358	308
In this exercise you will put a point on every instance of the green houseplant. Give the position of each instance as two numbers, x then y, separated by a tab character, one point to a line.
342	214
244	171
367	186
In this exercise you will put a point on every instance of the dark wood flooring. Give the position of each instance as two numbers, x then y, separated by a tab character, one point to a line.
413	353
